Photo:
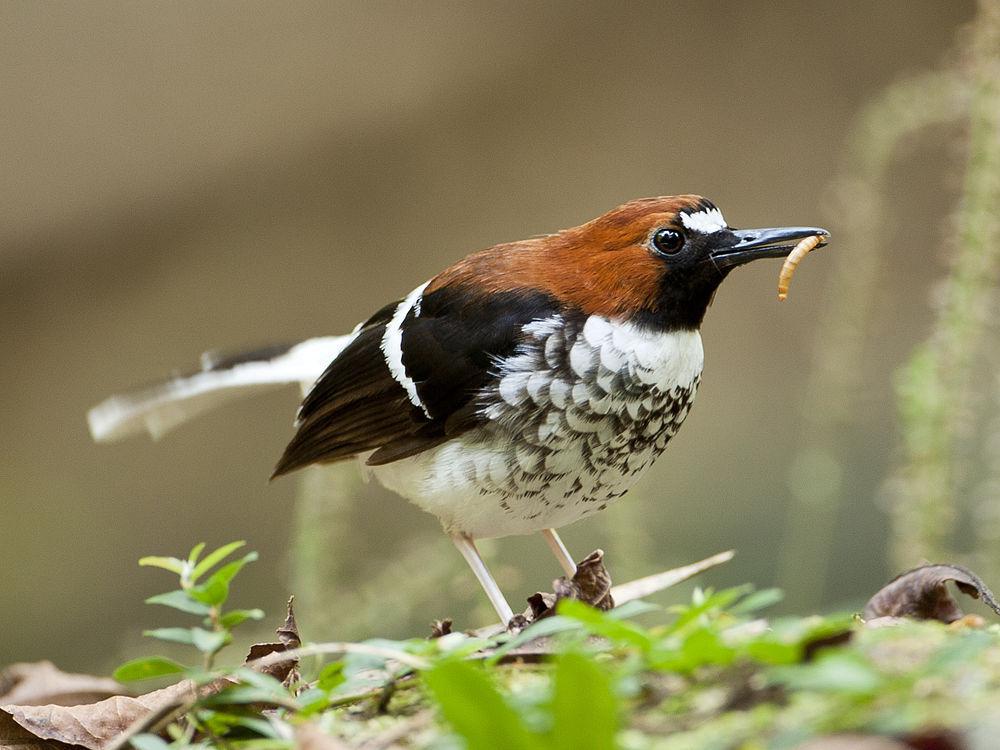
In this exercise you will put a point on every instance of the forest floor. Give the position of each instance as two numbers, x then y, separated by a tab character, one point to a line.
910	671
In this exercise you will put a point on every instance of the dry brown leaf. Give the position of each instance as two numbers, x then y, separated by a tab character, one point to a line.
853	742
590	584
107	724
922	593
41	682
932	740
94	725
15	737
288	639
441	628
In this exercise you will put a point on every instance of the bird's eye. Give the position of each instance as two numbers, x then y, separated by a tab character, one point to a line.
668	241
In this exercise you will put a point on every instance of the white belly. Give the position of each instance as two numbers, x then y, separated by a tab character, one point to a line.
573	420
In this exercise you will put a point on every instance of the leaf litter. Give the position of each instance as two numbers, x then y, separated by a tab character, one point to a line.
111	723
103	725
922	594
41	682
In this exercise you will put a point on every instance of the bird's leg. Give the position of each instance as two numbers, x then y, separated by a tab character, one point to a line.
560	551
467	547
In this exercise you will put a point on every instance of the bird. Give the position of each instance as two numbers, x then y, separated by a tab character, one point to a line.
525	387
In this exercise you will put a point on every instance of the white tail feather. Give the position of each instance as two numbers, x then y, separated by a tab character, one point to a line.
159	409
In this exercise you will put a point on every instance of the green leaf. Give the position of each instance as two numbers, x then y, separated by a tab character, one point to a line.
239	695
475	710
144	669
598	623
961	649
254	687
215	590
261	743
174	635
834	672
261	726
702	646
211	593
180	600
632	609
355	663
756	601
585	710
148	742
214	558
220	723
546	627
331	676
227	572
312	702
209	641
773	652
194	553
261	681
706	603
234	618
460	645
167	563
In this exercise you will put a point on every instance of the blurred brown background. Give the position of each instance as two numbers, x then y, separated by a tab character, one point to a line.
184	176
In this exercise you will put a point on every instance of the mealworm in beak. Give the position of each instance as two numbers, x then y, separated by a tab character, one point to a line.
792	261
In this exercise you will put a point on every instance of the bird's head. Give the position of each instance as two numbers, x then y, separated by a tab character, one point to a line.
656	261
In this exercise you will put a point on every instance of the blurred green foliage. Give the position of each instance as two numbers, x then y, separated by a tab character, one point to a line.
708	673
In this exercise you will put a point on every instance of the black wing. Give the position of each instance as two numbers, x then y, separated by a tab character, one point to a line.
449	350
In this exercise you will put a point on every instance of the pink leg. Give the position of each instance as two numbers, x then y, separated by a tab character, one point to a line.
467	546
560	551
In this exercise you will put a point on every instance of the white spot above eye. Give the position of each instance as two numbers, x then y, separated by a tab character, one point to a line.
705	221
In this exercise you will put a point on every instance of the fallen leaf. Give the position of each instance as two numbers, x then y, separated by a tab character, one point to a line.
922	593
441	628
286	671
41	682
94	725
590	584
852	742
15	737
108	724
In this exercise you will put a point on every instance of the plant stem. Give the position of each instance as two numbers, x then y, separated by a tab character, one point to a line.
215	617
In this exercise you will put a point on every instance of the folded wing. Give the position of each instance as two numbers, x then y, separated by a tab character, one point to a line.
411	380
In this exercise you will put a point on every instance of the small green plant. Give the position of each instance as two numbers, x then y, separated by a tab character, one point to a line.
708	673
203	592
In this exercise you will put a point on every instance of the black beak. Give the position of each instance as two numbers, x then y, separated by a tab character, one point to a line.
744	245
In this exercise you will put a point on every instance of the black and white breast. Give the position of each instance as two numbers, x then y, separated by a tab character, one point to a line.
565	425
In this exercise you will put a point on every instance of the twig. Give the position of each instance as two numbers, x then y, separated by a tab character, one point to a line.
642	587
151	722
340	648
